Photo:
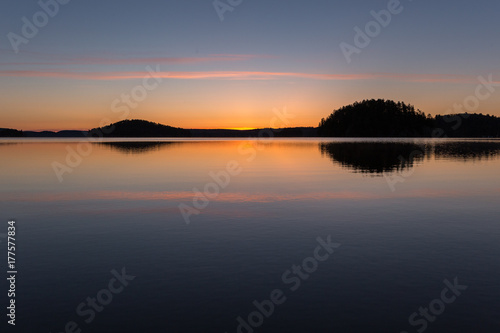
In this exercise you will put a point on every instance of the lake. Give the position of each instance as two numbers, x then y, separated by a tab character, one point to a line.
221	235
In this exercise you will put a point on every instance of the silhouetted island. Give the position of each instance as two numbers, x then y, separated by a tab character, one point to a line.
369	118
142	128
60	134
386	118
290	132
377	118
10	133
136	128
466	125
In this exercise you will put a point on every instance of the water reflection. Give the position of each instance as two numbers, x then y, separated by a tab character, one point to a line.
471	150
120	207
373	157
137	147
377	158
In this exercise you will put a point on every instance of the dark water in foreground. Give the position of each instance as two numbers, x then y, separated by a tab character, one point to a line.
401	216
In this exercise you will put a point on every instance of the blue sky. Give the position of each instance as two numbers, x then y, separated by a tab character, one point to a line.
279	54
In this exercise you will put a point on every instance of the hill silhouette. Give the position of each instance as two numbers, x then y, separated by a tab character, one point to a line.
10	133
386	118
376	118
138	128
293	132
466	125
368	118
60	134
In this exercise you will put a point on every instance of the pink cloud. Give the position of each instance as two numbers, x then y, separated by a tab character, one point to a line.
239	75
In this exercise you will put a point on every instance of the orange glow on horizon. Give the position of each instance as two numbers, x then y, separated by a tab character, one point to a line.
237	100
241	128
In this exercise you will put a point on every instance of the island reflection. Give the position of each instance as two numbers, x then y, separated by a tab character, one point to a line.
376	158
138	147
467	150
373	157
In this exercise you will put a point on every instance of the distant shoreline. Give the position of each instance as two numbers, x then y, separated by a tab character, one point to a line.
192	133
367	119
293	132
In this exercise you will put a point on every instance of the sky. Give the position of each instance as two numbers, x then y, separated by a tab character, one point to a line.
79	64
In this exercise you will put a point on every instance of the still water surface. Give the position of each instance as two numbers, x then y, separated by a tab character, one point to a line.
404	215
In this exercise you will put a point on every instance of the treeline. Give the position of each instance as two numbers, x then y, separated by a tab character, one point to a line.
369	118
469	125
386	118
295	132
10	133
138	128
143	128
376	118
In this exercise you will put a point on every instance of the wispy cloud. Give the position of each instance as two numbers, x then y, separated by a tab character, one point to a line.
56	66
239	75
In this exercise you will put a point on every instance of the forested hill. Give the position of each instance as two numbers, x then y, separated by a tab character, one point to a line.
139	129
377	118
469	125
143	128
369	118
10	133
386	118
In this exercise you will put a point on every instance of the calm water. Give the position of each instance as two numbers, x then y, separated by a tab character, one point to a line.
404	216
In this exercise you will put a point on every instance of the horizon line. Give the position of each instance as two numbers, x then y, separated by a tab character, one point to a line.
235	128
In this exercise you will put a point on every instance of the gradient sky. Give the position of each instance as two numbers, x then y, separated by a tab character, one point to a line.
265	55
